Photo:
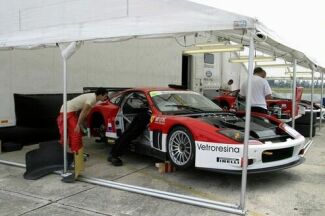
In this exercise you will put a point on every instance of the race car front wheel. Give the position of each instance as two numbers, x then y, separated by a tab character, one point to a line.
181	147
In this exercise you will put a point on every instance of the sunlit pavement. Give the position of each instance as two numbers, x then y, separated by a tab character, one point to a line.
295	191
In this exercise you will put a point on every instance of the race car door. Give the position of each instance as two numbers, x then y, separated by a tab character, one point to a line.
132	104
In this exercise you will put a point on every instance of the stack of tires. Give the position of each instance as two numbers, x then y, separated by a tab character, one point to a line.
302	124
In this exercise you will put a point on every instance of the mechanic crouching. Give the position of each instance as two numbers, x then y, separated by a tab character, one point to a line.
83	104
133	131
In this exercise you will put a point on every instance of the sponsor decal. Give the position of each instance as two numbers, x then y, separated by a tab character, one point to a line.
217	155
240	24
208	74
160	120
217	148
227	160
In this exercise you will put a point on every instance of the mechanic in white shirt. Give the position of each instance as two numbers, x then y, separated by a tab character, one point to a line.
83	104
261	91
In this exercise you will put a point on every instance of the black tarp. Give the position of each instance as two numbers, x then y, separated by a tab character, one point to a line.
35	120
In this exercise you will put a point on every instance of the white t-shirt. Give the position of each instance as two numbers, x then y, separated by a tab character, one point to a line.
260	88
77	103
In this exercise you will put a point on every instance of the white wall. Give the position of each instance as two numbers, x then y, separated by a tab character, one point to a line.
132	63
141	62
223	71
235	71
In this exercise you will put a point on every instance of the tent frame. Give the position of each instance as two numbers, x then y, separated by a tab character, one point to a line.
70	49
249	35
226	207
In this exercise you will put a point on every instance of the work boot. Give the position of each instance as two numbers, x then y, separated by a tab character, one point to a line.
68	177
116	161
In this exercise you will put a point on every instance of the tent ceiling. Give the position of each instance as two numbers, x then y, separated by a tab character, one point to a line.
271	47
37	23
68	21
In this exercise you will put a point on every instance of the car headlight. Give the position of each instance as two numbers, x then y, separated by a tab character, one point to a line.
233	134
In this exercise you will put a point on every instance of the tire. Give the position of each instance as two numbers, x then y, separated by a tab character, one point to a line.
99	127
102	133
181	148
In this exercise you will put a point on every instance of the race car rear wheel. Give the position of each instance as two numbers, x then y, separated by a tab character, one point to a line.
102	133
181	146
99	128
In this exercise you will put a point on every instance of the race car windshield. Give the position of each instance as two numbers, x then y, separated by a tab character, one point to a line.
182	102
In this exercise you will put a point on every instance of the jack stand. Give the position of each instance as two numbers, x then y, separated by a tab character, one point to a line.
165	167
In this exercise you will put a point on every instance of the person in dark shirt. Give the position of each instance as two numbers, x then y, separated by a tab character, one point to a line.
134	130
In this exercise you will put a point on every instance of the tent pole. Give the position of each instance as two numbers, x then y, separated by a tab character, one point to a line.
312	103
66	53
293	114
65	130
321	101
247	120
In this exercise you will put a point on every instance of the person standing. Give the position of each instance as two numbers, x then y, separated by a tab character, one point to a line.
83	104
261	91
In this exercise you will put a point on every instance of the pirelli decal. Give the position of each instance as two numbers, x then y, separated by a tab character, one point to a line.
228	160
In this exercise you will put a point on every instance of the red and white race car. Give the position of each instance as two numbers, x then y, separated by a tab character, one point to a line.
190	130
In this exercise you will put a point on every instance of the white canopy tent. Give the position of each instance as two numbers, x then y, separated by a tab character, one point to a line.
37	24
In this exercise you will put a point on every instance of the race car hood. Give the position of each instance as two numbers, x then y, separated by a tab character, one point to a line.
259	129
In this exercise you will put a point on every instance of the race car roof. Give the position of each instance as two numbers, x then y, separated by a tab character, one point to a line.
34	24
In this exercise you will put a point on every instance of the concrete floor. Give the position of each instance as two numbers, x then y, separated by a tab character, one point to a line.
296	191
